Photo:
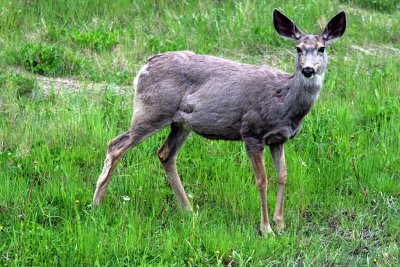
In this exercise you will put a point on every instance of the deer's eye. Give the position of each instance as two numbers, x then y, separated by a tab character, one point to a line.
298	50
321	49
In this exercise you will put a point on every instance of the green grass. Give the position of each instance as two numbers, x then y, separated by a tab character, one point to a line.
52	145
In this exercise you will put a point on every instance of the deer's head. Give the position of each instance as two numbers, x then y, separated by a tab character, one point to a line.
311	58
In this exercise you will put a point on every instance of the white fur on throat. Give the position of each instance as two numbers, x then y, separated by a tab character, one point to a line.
316	79
313	82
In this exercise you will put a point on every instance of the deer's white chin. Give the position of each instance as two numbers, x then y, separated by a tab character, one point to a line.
315	79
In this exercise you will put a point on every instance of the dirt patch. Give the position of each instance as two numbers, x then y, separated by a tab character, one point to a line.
381	50
60	85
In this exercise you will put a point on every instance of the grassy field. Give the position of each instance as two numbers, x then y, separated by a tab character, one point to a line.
343	190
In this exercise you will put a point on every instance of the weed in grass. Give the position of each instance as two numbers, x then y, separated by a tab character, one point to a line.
99	39
50	60
24	86
388	6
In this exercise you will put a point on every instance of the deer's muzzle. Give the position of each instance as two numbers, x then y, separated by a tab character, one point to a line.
308	72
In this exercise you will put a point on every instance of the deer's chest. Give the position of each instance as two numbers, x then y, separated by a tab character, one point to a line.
273	130
281	130
280	135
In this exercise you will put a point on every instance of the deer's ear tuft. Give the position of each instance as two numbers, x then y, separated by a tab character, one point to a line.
285	27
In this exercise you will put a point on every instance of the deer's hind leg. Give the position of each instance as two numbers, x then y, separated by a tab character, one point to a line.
140	130
168	154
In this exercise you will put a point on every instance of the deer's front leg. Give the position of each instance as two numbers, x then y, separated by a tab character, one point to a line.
278	155
255	150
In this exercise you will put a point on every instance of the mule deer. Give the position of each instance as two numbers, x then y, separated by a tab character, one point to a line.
223	99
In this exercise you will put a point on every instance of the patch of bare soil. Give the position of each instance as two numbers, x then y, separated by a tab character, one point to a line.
382	50
60	85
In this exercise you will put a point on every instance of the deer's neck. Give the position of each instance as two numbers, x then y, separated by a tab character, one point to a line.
304	93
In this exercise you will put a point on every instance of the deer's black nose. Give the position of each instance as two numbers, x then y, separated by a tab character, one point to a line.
308	72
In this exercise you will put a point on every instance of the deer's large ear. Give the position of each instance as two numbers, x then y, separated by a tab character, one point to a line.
335	27
285	27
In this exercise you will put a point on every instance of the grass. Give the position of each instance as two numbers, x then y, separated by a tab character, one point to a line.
49	60
52	144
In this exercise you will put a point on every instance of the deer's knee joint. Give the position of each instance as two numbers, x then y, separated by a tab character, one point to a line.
282	179
262	183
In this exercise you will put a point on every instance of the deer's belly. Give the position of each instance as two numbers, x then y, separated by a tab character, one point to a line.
211	125
216	127
219	134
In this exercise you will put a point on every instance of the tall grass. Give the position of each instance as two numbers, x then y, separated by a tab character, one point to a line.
52	144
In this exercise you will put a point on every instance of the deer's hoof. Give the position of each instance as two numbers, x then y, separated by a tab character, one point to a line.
266	230
188	208
279	224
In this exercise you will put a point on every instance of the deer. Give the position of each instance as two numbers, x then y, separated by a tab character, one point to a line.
226	100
